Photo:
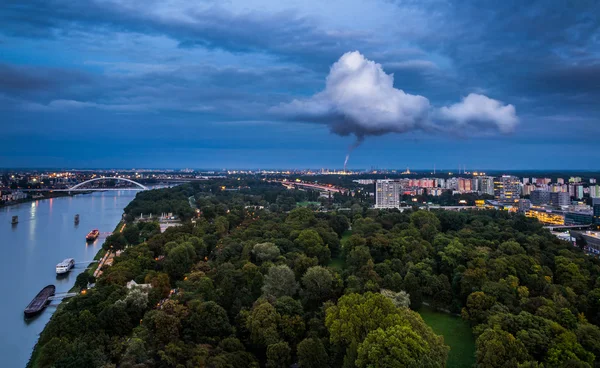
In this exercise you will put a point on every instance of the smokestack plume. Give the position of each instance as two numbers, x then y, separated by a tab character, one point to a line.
359	140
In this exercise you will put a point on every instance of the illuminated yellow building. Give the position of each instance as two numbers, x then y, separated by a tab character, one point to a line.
546	217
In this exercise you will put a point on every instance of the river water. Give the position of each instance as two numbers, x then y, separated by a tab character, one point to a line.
45	235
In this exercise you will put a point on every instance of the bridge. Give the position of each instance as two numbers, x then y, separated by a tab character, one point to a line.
59	296
78	187
567	227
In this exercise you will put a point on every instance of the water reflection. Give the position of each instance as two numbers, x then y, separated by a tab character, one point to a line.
45	235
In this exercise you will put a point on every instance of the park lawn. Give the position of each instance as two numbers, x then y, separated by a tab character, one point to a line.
345	236
338	263
457	334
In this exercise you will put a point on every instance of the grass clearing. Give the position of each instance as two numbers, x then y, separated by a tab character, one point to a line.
345	236
457	334
339	263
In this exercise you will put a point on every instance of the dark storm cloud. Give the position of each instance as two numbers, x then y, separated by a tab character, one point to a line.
23	79
522	48
284	34
570	79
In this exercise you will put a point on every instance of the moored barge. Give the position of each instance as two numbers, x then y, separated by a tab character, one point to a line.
40	301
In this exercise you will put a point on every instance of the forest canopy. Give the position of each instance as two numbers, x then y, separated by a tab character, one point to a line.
257	281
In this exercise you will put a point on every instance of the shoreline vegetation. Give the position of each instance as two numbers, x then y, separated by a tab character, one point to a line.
86	275
252	279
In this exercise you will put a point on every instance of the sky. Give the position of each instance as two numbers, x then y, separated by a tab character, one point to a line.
299	84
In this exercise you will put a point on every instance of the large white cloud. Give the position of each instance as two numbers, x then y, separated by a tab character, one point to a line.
482	112
359	98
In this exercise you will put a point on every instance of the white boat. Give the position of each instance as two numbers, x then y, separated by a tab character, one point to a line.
65	266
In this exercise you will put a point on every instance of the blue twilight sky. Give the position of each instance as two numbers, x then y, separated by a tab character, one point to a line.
262	83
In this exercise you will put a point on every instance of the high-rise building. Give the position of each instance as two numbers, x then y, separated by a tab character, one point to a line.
528	188
388	193
540	197
507	188
525	181
560	199
485	185
592	180
464	185
452	183
560	181
579	191
595	191
596	212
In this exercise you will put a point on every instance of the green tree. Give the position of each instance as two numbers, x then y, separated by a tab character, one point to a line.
265	252
180	260
312	354
478	307
206	322
497	348
278	355
280	281
317	285
262	323
356	315
311	242
397	346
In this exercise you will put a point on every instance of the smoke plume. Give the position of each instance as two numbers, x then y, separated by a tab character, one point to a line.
359	140
360	99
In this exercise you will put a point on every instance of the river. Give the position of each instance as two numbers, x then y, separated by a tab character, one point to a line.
45	235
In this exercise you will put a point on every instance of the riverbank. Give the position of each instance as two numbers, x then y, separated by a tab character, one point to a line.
45	235
45	195
90	270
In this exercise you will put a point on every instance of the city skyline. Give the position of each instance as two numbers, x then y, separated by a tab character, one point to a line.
256	84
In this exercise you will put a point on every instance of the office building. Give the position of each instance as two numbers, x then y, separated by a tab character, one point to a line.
540	197
578	218
507	188
596	212
388	193
560	199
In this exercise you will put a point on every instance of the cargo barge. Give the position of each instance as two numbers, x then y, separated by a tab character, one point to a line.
92	235
40	301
